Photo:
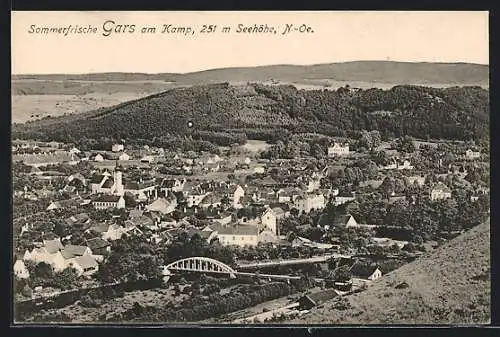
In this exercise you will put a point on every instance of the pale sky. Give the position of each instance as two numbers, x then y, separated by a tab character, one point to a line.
337	37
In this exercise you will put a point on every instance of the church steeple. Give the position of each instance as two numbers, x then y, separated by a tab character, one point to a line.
118	188
118	167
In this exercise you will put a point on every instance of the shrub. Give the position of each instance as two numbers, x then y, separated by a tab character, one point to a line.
89	302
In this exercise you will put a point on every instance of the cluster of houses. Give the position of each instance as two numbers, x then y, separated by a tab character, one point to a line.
83	259
151	200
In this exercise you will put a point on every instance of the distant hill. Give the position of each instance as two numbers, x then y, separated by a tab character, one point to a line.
450	113
358	71
449	286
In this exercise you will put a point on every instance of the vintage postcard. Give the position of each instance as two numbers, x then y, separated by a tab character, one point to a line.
233	168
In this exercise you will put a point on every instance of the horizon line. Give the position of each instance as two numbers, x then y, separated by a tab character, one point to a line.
254	66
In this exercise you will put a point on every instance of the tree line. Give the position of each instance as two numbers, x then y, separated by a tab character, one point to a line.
422	112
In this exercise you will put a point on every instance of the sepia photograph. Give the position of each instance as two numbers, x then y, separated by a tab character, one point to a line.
207	168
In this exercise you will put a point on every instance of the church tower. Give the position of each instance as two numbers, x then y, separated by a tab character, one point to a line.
118	188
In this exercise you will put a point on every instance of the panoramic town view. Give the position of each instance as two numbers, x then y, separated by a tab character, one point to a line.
338	193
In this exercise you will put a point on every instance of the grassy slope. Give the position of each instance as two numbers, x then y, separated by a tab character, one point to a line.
450	286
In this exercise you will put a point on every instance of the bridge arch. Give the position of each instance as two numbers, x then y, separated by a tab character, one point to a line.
201	264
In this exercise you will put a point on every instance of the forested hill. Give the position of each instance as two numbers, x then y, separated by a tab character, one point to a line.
358	71
258	111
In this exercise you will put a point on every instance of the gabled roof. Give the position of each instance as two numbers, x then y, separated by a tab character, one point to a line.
341	220
279	205
108	183
53	246
86	261
141	221
78	176
278	211
135	213
160	205
320	297
108	198
75	250
211	198
136	186
50	236
97	178
203	234
168	183
97	243
77	219
237	230
363	270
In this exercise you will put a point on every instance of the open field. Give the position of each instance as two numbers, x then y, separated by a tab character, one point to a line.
451	285
32	107
57	94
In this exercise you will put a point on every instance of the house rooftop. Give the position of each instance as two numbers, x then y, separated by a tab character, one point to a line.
86	261
320	297
203	234
97	243
107	198
237	230
363	270
75	250
100	228
53	246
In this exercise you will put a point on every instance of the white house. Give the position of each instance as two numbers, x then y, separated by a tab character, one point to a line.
148	159
288	194
405	165
338	150
259	169
369	273
238	236
117	147
20	270
98	157
313	185
440	191
234	194
268	219
342	199
469	154
109	201
85	265
74	150
305	203
416	179
346	221
124	157
45	254
114	232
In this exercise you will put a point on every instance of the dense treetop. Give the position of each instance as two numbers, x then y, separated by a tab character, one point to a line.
222	114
